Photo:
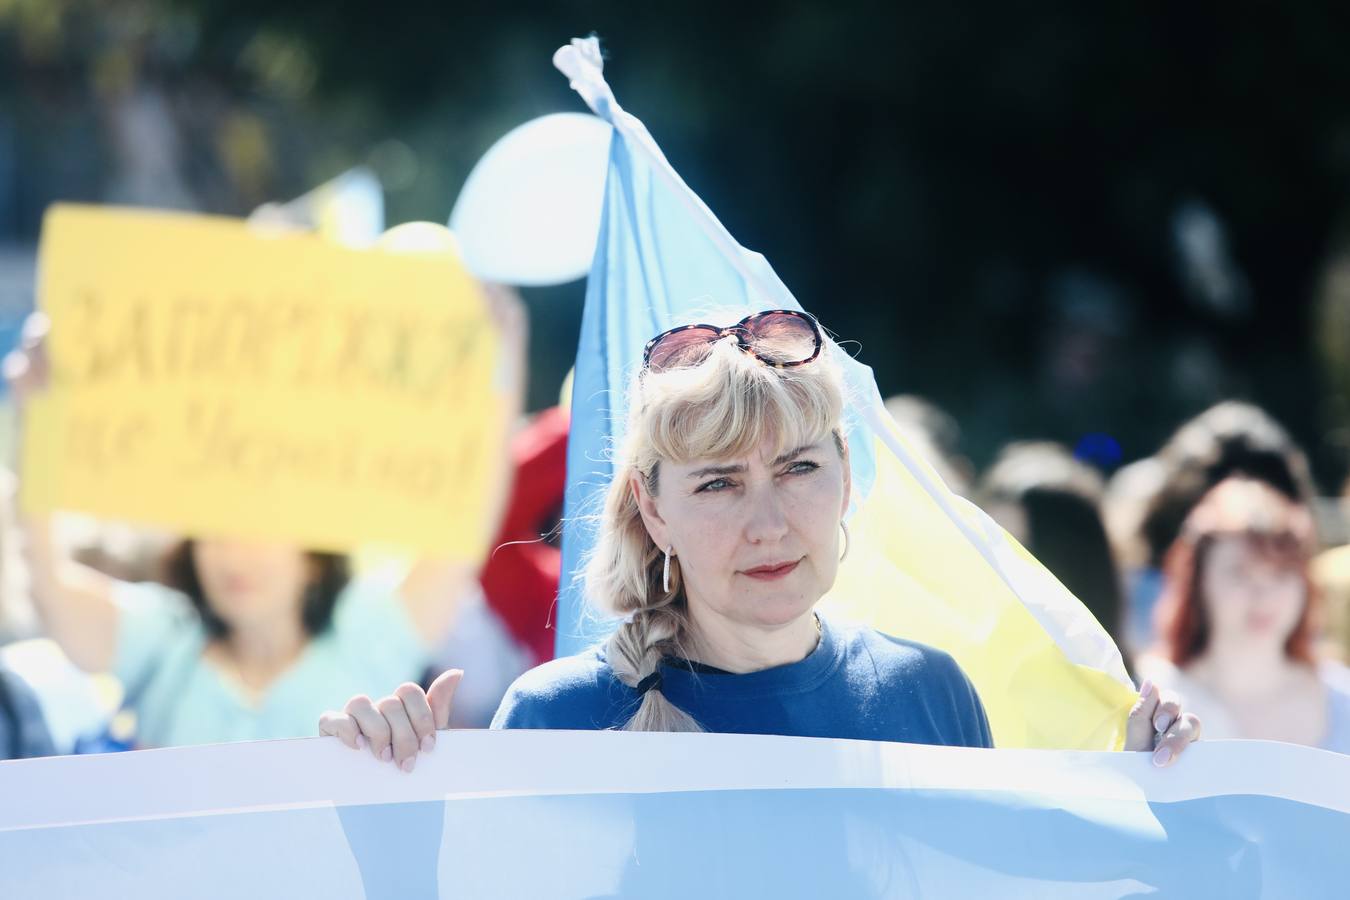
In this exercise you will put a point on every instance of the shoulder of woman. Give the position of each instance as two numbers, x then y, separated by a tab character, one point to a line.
908	657
584	671
560	693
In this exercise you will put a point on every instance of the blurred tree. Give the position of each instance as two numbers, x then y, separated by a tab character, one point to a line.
1051	217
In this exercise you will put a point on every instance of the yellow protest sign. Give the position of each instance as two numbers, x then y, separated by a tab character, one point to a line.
218	381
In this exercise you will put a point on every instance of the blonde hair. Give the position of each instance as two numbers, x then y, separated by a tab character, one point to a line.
724	407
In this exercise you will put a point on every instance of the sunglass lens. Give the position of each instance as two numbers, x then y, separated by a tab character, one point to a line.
681	348
782	338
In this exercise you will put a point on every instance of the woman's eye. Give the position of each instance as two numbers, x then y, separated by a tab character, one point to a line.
715	485
801	467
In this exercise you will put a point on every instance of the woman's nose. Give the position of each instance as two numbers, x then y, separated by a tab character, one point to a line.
768	520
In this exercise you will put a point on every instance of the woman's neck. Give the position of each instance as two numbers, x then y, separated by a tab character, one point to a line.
739	648
1246	671
259	652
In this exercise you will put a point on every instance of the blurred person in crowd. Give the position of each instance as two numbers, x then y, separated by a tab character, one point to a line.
47	705
506	627
125	553
23	730
16	619
935	436
1125	503
1230	438
1237	622
249	640
521	575
1331	574
1051	502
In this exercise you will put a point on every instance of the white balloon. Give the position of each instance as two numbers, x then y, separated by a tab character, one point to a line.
529	213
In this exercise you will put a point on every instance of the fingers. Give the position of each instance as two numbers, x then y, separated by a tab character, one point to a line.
1182	732
418	710
1157	723
398	726
341	726
441	697
402	739
1139	727
372	725
1169	709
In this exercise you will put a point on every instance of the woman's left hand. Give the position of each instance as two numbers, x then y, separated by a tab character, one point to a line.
1157	723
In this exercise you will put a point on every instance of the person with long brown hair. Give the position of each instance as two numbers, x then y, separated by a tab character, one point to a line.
1237	622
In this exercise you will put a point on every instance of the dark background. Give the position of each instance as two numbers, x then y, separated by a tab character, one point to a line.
1055	219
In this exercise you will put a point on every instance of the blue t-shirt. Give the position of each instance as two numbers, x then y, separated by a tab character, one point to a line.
857	683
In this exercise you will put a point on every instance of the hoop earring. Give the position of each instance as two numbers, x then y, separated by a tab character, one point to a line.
843	526
665	573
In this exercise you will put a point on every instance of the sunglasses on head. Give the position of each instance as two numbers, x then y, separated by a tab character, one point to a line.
780	338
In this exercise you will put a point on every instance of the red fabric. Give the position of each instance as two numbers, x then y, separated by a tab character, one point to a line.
520	579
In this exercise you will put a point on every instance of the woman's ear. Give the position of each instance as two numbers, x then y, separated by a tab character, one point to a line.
651	516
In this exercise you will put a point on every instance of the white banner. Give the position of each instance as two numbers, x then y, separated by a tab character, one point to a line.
536	814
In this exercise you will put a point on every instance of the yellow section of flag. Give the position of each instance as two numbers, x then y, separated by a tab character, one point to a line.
913	571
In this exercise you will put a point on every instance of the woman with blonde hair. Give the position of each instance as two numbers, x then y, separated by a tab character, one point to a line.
721	530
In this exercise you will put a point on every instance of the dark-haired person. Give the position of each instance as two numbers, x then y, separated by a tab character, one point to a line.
1052	503
23	731
1232	438
249	640
1236	622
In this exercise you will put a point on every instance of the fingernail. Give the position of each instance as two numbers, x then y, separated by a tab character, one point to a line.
409	763
1162	722
428	743
1146	688
360	742
1162	757
387	754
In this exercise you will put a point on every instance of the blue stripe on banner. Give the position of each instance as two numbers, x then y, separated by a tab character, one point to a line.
877	843
765	843
395	846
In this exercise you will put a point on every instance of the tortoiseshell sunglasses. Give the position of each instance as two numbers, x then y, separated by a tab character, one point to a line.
780	338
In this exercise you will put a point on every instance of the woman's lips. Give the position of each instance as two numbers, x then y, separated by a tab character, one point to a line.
772	572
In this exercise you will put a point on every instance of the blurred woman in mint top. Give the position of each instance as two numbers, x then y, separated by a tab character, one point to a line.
253	639
722	529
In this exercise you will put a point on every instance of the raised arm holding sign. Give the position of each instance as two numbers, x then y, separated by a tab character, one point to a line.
280	400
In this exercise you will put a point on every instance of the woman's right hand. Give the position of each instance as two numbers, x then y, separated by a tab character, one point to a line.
396	727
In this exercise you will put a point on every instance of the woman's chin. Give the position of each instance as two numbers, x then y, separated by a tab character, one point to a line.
780	612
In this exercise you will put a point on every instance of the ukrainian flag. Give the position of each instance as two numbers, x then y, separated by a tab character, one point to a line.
923	563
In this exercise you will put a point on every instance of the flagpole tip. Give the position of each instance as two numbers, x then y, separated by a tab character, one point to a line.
583	64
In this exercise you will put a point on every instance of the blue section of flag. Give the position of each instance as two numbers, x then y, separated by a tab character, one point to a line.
662	259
